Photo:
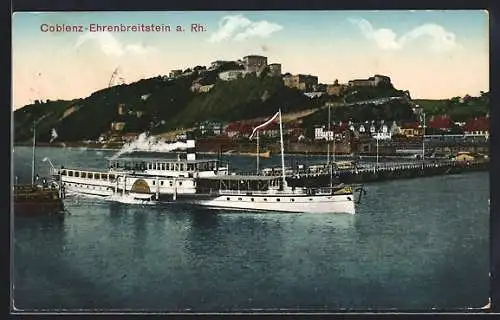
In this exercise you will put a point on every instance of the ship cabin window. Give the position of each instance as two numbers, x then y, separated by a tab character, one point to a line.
161	183
176	167
154	166
228	198
265	199
171	184
90	175
104	176
154	182
149	166
252	199
239	199
84	175
292	200
111	176
63	173
97	176
163	166
182	166
180	183
278	199
77	174
70	173
190	167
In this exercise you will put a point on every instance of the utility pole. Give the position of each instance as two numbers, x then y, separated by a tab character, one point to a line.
33	156
328	139
376	138
423	141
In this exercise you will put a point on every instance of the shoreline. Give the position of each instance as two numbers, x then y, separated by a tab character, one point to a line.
344	155
295	153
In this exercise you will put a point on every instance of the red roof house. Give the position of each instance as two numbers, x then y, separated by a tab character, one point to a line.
440	122
480	125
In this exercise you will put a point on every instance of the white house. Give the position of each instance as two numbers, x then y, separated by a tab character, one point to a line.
382	134
321	134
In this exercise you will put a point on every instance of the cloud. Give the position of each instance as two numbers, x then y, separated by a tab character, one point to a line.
111	46
387	39
239	28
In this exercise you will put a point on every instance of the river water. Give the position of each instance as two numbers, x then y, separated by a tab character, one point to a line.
414	245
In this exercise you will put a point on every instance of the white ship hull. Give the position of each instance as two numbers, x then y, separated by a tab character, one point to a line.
282	203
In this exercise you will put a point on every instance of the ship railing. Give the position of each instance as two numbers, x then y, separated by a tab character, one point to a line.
248	192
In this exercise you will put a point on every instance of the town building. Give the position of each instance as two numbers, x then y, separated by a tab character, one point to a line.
216	64
301	82
195	87
205	88
374	81
321	134
254	63
121	109
211	128
275	69
479	126
117	126
335	89
381	132
440	123
411	129
231	75
314	94
175	73
337	132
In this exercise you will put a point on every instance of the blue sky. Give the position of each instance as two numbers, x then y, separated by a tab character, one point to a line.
426	52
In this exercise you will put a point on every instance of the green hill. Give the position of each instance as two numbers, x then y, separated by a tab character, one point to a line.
458	108
245	98
159	104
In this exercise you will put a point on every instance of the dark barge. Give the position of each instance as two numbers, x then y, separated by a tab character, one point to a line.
36	200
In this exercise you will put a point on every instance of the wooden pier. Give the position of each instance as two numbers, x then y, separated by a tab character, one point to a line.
385	172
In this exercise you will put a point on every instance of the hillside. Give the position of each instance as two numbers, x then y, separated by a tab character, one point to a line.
458	108
246	98
163	104
159	104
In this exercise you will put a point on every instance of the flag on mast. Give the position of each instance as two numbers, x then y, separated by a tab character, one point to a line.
264	124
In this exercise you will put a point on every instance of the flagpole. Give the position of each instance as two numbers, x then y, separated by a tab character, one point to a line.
257	152
282	151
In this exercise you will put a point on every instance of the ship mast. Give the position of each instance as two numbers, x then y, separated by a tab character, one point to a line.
282	152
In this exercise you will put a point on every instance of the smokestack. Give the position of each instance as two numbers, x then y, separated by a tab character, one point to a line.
190	149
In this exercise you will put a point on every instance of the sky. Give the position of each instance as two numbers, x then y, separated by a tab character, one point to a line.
433	54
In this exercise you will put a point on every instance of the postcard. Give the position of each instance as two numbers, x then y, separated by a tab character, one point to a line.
251	161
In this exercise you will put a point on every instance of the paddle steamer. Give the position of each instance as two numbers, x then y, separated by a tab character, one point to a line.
204	182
